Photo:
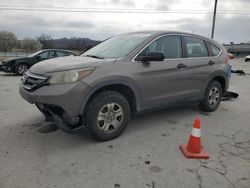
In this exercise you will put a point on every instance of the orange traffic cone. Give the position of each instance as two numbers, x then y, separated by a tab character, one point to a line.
194	148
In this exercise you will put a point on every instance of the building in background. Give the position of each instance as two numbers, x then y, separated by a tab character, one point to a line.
239	50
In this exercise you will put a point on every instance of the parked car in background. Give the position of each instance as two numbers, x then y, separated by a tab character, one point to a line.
20	65
125	75
247	58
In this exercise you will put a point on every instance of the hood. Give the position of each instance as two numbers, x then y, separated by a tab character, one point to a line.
14	59
67	63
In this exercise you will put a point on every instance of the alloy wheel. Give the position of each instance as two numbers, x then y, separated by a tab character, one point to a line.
22	69
213	96
110	117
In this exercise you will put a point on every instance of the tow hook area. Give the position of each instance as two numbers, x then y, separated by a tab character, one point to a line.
61	124
229	95
66	124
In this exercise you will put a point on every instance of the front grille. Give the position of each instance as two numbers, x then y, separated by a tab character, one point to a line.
31	81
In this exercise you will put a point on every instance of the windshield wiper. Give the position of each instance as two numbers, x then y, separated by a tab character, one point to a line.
95	56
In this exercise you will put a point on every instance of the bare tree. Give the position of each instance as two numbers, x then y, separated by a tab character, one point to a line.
30	45
7	41
46	41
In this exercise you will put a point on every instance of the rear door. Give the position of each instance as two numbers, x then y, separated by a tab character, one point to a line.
200	64
163	82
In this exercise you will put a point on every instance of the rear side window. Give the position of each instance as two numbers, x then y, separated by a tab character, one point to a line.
170	46
195	47
62	53
214	50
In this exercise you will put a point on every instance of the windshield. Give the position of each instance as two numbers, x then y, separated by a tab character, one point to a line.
118	46
34	54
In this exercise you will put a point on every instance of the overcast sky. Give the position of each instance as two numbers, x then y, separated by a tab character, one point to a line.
100	25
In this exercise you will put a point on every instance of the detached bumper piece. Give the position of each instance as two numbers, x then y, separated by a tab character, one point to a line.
55	114
229	95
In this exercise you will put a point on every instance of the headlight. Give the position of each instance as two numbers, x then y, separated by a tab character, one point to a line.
71	76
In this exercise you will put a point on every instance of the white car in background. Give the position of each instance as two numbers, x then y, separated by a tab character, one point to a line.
247	58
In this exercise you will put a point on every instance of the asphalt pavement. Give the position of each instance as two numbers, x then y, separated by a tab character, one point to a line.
146	155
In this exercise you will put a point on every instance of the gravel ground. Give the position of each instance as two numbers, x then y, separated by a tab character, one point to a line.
146	155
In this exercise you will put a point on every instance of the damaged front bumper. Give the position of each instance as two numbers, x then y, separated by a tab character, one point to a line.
67	124
59	103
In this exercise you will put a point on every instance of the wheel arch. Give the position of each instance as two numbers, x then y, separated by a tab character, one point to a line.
129	91
221	77
222	81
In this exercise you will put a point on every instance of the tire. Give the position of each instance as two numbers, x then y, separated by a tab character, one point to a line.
107	115
212	97
246	60
21	68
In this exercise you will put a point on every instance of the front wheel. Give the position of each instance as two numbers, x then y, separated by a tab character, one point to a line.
21	69
107	115
212	97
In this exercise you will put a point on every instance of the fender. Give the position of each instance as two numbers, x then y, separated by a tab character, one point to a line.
122	80
218	73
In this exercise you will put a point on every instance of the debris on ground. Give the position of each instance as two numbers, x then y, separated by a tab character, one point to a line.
240	72
47	127
117	185
229	95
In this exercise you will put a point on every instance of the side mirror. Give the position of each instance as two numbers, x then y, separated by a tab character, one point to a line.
38	57
152	56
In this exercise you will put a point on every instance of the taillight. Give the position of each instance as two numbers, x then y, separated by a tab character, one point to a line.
229	56
227	61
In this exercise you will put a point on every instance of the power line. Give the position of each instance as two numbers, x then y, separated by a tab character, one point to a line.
98	10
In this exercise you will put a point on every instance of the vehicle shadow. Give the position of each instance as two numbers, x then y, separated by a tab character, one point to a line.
169	117
25	135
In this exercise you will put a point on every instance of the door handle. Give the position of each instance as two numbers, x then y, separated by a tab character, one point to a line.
211	62
181	65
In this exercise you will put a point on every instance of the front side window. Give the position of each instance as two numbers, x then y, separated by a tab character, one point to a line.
170	46
195	47
118	46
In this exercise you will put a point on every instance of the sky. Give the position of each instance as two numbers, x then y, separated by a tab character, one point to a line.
104	19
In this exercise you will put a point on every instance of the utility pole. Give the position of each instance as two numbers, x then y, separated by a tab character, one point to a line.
214	16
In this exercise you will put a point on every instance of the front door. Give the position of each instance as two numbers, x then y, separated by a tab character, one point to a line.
163	82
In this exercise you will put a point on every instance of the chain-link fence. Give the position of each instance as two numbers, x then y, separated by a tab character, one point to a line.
4	55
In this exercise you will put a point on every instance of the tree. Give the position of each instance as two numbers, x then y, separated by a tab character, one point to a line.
46	41
30	45
7	41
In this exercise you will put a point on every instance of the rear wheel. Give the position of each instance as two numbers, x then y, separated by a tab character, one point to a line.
21	69
212	97
107	115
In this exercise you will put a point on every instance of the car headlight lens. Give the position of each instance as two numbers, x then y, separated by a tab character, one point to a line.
70	76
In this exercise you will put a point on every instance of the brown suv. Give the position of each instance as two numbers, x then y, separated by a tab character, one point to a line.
124	75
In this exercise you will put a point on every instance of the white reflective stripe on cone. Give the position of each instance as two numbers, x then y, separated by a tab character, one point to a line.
196	132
